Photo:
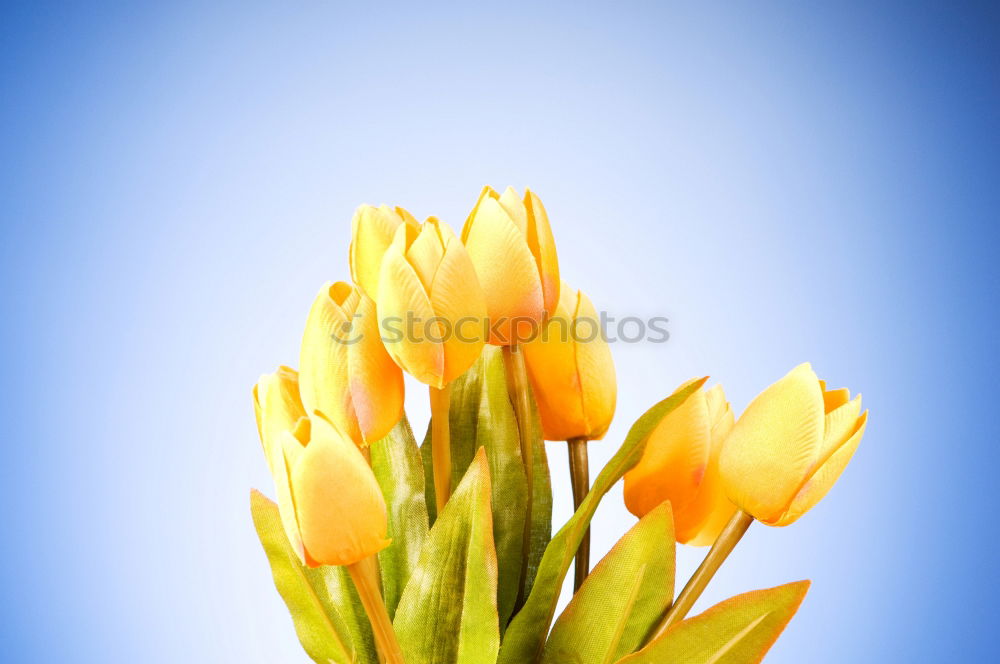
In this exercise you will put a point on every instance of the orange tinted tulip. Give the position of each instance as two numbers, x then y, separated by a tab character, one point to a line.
339	508
790	446
681	464
571	370
345	371
511	245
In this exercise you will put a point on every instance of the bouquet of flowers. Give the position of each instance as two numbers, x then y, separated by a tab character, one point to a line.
443	553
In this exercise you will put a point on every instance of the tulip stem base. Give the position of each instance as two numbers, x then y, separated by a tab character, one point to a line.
519	392
441	444
364	574
579	473
724	545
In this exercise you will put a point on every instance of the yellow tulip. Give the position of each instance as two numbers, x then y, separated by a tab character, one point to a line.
372	230
511	245
339	508
790	446
430	303
680	463
345	371
571	371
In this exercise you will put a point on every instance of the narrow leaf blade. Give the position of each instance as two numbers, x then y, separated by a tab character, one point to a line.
526	633
448	613
624	597
481	415
738	631
400	474
327	613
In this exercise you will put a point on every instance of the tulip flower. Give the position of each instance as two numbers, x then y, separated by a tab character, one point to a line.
430	303
680	463
573	379
339	508
571	371
790	446
433	310
334	513
345	371
511	245
782	456
372	231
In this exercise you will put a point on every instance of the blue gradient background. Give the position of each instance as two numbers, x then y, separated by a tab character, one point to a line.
785	183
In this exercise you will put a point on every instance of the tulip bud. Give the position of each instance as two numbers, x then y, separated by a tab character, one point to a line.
680	463
790	446
346	373
339	509
277	405
430	303
372	230
511	245
571	371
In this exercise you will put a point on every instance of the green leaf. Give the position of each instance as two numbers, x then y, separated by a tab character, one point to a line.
738	631
622	600
400	474
326	610
481	415
448	612
526	633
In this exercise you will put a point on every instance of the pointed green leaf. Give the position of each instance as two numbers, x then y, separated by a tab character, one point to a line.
526	633
448	612
400	474
481	415
326	610
622	600
738	631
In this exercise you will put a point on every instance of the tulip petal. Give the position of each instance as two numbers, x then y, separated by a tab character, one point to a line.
277	405
817	486
711	509
286	456
674	461
324	372
457	298
375	382
405	308
543	246
551	360
426	252
341	512
595	373
486	192
838	425
834	398
506	268
774	445
372	231
514	206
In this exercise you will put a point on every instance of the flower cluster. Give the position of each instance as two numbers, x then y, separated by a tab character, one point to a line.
353	491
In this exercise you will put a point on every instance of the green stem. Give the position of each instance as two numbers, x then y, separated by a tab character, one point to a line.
579	474
724	545
519	392
441	444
